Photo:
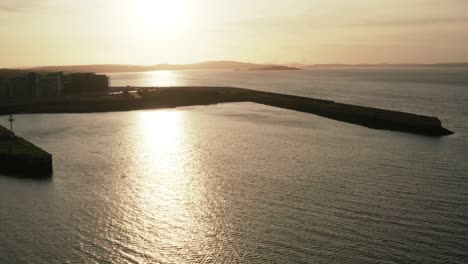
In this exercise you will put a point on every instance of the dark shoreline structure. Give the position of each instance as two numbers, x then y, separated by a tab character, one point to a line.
123	99
21	158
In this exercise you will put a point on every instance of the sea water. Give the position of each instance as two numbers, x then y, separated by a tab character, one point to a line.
248	183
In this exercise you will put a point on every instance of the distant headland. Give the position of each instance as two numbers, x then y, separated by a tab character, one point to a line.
276	68
217	65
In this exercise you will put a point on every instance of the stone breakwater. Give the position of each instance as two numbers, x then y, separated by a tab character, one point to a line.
365	116
19	157
138	98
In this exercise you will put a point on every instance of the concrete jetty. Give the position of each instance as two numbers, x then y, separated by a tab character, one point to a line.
139	98
19	157
365	116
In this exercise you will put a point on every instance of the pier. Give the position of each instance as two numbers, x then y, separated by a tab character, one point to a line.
19	157
139	98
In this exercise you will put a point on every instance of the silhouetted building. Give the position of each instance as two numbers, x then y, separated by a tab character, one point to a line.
32	85
36	85
50	85
85	83
3	87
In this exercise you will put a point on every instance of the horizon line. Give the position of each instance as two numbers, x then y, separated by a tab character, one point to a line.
233	61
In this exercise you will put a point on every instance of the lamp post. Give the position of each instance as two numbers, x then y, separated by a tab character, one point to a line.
11	120
12	135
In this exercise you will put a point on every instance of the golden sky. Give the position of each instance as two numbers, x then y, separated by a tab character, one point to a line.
64	32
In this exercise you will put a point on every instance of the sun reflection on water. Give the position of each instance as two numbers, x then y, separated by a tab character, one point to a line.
164	156
161	134
165	185
163	78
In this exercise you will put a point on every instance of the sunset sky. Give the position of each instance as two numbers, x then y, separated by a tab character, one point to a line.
64	32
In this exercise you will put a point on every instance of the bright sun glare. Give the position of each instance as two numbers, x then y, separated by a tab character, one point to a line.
161	15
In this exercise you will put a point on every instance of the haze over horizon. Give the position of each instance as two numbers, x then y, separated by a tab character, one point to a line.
145	32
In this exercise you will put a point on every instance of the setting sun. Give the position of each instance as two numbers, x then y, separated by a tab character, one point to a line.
160	15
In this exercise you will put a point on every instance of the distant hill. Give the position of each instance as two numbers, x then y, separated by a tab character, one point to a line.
275	68
6	73
215	65
385	65
209	65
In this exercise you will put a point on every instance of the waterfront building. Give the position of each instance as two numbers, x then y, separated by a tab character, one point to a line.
76	83
45	85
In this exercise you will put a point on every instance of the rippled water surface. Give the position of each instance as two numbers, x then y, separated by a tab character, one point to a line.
246	183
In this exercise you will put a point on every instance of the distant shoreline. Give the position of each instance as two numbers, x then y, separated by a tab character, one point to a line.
219	65
276	68
384	65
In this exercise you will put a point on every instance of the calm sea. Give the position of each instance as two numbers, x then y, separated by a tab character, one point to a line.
247	183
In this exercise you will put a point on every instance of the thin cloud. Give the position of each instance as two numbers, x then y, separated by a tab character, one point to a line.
416	21
301	22
17	5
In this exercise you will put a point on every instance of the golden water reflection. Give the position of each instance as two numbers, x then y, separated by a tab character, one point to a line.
168	189
161	135
163	78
